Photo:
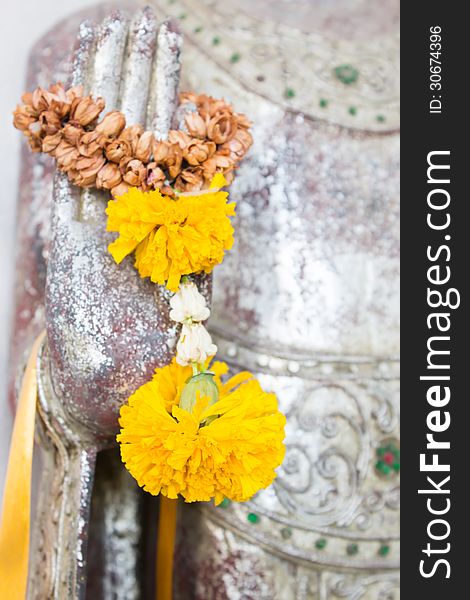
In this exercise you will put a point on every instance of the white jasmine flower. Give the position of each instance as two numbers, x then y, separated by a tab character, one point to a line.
188	305
195	345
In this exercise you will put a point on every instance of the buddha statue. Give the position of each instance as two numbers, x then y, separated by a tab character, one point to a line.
307	300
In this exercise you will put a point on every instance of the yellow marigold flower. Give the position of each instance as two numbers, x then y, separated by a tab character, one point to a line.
172	237
228	449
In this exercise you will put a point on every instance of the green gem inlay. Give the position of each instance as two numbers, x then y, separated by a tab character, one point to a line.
347	74
235	57
352	549
225	503
352	110
253	518
384	550
198	29
320	543
286	533
323	103
289	93
216	41
380	118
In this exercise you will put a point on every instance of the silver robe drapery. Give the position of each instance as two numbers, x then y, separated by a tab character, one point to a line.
308	297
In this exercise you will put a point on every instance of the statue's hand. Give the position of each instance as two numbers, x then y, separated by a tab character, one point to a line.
108	328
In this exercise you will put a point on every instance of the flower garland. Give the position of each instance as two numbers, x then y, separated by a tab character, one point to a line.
108	155
186	432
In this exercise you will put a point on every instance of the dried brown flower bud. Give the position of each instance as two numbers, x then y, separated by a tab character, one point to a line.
118	149
144	146
155	176
92	144
72	134
160	151
209	168
40	99
169	155
108	176
221	128
174	161
87	170
196	125
66	155
120	189
23	116
50	143
61	109
179	137
134	172
131	135
218	162
85	110
238	146
112	124
199	151
190	179
50	122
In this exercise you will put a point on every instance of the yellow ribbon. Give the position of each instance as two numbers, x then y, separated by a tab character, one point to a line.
165	548
14	526
15	522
